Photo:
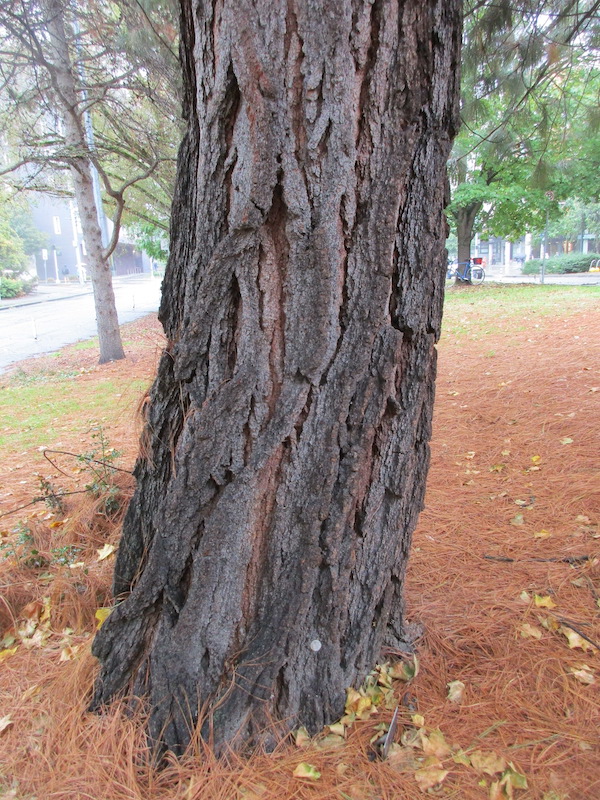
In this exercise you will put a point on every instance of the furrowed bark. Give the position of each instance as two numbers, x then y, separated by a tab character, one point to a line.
286	445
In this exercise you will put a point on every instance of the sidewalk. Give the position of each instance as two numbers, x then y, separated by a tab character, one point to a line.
496	274
47	292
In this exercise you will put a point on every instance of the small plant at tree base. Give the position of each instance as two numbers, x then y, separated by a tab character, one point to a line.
65	555
51	496
100	463
18	544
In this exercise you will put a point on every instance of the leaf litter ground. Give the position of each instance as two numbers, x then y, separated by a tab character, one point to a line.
503	582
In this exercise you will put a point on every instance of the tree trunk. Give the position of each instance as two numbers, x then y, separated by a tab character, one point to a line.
465	220
61	70
285	453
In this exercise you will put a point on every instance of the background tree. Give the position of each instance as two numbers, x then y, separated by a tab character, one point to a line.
525	83
19	239
77	101
286	447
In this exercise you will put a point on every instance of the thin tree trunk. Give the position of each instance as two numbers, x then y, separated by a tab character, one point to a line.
465	221
286	448
109	335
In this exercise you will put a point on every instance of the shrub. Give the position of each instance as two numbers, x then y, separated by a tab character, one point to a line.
13	287
561	265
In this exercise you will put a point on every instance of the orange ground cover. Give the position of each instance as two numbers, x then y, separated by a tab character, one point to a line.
513	512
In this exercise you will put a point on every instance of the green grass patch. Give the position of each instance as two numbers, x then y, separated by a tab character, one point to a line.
510	308
33	413
87	344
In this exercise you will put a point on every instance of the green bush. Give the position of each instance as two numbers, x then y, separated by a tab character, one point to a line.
561	265
13	287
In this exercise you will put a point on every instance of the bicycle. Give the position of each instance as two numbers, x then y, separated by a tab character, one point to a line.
467	272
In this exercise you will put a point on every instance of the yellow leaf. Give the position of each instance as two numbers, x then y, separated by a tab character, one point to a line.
304	770
497	468
45	615
429	777
526	630
418	720
575	640
566	440
7	653
337	728
543	534
536	459
583	673
364	707
57	523
352	698
487	761
505	453
105	552
456	690
301	737
5	722
101	615
544	601
518	520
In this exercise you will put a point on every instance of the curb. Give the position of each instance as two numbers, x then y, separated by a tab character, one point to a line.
22	304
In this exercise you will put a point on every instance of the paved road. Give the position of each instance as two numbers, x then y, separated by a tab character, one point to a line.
43	327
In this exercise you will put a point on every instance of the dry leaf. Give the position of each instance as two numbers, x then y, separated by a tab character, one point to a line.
526	630
435	744
429	777
105	552
5	722
33	691
69	652
566	440
456	690
487	761
308	771
544	601
518	520
101	615
301	737
7	653
583	673
543	534
575	640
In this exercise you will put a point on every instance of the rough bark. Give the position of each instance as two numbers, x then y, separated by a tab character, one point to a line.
286	447
465	220
61	69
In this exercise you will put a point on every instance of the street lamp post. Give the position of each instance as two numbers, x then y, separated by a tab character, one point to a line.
45	260
55	251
